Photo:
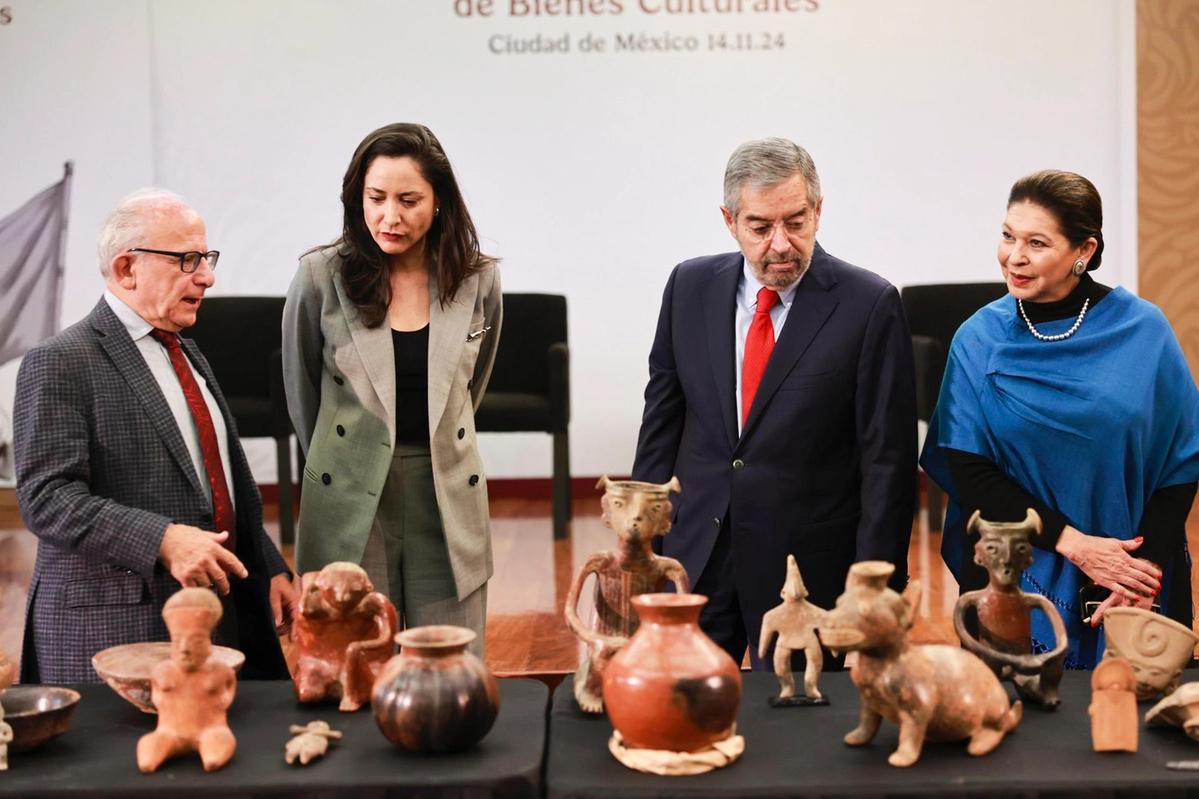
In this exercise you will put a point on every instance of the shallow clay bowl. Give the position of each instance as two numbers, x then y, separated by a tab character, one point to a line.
37	713
127	668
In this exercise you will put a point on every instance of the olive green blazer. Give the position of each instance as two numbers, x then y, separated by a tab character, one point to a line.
339	376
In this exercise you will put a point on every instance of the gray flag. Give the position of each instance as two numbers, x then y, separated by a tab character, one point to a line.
31	269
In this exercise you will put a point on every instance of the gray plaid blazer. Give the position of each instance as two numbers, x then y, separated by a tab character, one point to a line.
101	471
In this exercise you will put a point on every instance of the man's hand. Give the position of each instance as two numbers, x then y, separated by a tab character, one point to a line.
284	603
196	557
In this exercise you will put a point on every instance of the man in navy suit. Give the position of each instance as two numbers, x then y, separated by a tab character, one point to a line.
781	392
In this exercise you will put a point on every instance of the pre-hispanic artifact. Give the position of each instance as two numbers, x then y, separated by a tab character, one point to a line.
671	687
1113	708
192	692
636	512
933	691
310	742
1179	709
37	714
6	677
1004	612
344	635
1157	647
794	622
435	696
127	668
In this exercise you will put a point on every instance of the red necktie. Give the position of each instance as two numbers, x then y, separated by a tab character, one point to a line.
223	515
758	345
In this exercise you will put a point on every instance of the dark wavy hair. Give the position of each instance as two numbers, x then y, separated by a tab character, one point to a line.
1071	199
452	243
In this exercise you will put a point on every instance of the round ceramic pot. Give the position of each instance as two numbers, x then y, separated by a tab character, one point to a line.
434	696
672	687
1157	647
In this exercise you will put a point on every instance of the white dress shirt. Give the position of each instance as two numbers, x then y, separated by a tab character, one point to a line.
747	303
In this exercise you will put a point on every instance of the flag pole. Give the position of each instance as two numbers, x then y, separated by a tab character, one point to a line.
68	170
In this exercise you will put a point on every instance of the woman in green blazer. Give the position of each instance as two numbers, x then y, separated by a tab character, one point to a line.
389	335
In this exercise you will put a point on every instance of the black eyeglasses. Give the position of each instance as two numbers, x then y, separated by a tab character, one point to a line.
188	261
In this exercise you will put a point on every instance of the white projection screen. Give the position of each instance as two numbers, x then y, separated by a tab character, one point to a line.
589	137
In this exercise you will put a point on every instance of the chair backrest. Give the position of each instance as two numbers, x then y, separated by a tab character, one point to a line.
238	336
938	310
532	322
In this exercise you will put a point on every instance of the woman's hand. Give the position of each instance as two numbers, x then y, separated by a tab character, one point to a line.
1133	581
1117	601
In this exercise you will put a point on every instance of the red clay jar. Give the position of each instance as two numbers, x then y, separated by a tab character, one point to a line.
672	687
434	696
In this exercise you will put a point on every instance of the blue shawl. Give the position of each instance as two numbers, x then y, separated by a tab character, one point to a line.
1091	425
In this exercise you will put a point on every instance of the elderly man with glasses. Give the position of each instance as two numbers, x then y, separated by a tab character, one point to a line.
128	466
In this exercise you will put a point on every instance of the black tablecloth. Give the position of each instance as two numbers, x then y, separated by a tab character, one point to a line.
798	752
96	757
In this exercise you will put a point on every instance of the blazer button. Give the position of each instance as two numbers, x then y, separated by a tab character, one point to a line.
341	431
339	381
474	479
716	520
326	479
738	464
461	433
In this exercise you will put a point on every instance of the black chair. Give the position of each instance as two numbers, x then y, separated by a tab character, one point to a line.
530	385
935	312
242	338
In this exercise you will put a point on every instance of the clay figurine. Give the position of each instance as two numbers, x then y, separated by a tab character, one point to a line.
344	636
1004	612
7	671
1158	647
1179	709
192	692
795	622
1113	707
636	512
933	691
310	742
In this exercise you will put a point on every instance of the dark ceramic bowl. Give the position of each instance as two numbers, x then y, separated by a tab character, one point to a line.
37	713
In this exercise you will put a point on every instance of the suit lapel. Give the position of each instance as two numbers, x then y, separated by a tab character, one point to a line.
377	354
814	303
448	328
115	341
719	299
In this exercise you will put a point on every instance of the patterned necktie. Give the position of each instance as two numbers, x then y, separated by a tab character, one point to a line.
759	343
223	515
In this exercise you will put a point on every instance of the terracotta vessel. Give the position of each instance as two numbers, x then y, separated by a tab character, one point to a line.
435	696
37	714
636	512
1157	647
1179	709
127	667
344	636
794	622
671	688
1004	612
1113	708
933	691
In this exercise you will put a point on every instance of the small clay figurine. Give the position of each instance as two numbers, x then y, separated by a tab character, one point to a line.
637	512
1113	708
7	672
309	743
5	740
933	691
344	635
191	692
1004	612
1179	709
795	622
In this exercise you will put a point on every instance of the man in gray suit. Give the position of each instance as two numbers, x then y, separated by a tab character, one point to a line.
129	470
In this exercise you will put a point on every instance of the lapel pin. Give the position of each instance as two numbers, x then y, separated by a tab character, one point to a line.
474	335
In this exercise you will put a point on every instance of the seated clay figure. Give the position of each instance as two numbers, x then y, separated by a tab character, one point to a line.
795	622
344	635
1004	612
636	512
191	692
933	691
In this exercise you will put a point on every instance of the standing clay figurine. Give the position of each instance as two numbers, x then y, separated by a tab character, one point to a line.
191	692
933	691
636	512
795	622
344	636
1004	612
7	672
1113	707
311	742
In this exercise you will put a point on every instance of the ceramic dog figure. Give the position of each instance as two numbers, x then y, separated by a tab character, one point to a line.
938	692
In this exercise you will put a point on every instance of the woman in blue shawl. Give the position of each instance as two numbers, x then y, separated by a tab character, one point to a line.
1074	399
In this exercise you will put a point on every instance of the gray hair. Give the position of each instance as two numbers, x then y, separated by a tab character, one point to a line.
127	222
763	163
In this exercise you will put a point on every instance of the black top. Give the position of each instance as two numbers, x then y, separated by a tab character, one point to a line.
981	484
412	385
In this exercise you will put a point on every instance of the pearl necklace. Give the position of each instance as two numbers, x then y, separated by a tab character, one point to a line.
1041	336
